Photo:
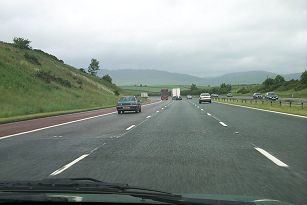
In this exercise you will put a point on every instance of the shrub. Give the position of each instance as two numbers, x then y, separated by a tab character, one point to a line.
32	59
107	78
116	93
48	77
243	90
21	43
82	70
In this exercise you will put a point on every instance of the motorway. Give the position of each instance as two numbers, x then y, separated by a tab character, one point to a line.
175	146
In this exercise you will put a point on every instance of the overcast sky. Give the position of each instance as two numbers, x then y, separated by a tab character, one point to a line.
197	37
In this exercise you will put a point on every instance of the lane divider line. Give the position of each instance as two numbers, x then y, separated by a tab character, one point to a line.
62	169
130	127
223	124
271	157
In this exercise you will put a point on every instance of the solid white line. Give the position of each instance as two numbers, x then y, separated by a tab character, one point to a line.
68	165
57	125
130	127
65	123
208	114
271	157
282	113
148	116
223	124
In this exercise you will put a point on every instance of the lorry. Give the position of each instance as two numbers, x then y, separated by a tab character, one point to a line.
176	93
164	94
144	95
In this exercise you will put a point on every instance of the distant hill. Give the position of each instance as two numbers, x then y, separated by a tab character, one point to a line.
155	77
150	77
32	82
291	76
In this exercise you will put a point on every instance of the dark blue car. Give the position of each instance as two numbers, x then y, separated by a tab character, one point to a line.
128	103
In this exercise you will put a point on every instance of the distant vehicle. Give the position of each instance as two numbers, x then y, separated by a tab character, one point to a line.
257	96
189	97
176	92
176	98
229	95
271	96
128	103
164	94
204	97
214	95
144	95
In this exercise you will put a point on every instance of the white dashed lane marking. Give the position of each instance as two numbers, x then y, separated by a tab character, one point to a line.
130	127
62	169
271	157
223	124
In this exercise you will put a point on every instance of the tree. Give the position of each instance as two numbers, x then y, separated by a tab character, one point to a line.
268	82
22	43
93	67
303	78
224	88
279	79
193	87
107	78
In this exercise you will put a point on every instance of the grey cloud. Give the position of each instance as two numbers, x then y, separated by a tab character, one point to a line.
197	37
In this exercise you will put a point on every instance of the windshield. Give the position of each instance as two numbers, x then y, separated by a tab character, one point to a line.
198	98
127	99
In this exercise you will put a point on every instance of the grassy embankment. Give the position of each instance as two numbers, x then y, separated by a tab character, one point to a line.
46	86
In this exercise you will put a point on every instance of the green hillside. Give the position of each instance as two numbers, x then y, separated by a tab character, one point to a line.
32	82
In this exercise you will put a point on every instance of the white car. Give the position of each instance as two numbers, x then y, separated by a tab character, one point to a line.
204	97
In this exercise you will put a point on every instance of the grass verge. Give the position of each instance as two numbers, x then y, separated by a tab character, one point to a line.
284	107
48	114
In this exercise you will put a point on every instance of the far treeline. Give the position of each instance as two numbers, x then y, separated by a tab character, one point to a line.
278	83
